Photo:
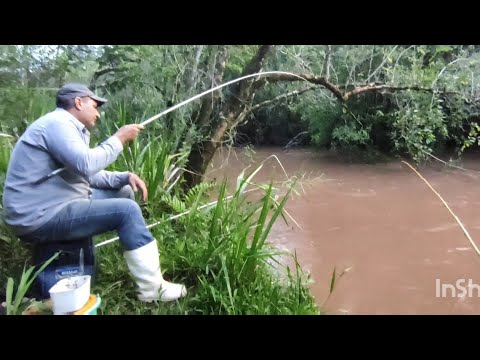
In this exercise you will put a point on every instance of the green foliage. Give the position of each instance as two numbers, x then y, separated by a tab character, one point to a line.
473	136
435	121
20	106
221	253
239	57
147	79
14	303
419	126
6	146
177	204
350	136
320	115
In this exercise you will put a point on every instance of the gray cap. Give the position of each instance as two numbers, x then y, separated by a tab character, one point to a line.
72	90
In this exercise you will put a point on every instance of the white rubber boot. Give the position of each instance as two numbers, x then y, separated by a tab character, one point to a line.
144	265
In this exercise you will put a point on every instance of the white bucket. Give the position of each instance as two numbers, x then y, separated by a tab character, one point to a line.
70	294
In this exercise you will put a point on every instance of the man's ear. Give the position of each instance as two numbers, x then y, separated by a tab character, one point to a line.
78	103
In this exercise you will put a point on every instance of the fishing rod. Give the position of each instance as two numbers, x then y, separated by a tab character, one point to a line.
171	218
153	118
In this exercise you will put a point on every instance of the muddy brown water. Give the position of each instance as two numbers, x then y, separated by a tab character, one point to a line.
405	252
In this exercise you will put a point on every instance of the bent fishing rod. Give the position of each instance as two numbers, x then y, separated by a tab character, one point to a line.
153	118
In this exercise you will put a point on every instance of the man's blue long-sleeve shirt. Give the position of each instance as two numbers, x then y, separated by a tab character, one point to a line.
56	140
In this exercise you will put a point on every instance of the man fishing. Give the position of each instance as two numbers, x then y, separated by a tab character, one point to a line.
56	189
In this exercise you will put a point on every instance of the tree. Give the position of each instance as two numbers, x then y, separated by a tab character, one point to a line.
409	89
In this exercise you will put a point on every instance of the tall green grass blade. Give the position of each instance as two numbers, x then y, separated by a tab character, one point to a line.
10	284
261	220
215	224
243	183
227	281
275	215
26	281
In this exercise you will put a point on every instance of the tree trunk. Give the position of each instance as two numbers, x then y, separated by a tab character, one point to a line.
198	161
230	114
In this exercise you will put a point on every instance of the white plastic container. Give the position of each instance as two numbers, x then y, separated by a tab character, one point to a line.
70	294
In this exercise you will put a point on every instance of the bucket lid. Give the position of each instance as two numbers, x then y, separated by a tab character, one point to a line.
92	303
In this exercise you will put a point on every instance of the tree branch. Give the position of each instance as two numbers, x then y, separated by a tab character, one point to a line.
243	90
99	73
326	63
190	80
342	95
218	69
246	111
370	88
319	80
282	96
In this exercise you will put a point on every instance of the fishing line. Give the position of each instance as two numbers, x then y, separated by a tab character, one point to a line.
446	205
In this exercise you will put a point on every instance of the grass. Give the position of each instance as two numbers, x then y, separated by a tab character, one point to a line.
222	256
15	304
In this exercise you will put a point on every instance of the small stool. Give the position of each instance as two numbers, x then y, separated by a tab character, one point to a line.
76	257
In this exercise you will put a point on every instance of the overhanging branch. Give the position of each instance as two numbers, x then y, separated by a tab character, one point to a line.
371	88
319	80
341	94
283	96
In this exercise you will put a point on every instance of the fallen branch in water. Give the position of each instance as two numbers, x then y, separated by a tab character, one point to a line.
448	164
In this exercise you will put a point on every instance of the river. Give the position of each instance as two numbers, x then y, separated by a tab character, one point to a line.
403	250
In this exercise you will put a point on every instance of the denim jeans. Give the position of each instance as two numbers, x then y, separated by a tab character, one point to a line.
106	210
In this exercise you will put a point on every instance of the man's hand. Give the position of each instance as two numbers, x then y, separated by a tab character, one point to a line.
128	133
135	182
